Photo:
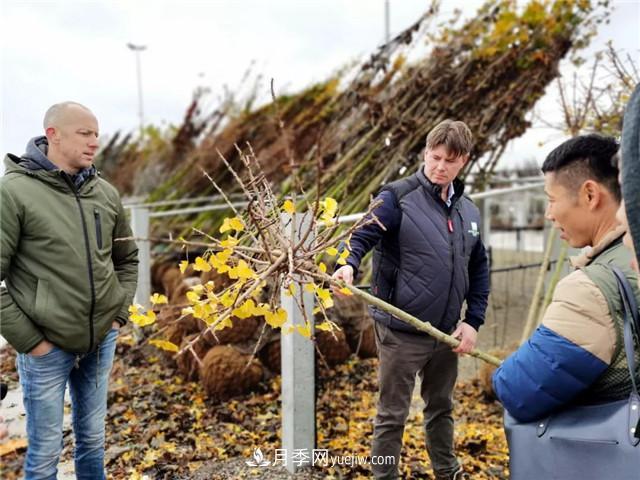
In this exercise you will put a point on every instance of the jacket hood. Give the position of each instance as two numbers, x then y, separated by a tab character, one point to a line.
35	162
35	157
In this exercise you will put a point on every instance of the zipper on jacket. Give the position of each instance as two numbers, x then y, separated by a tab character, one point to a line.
453	263
96	216
88	253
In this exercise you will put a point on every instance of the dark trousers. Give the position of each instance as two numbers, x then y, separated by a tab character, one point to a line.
401	356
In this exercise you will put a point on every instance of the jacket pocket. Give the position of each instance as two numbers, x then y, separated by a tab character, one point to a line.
98	222
42	300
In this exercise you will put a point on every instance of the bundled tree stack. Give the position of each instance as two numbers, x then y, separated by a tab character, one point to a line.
367	127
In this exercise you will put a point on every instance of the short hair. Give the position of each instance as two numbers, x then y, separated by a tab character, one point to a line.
586	157
455	135
55	112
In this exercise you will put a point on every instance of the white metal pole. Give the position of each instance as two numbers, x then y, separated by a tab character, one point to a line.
137	49
387	29
298	374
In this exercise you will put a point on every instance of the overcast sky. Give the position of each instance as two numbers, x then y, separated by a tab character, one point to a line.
76	50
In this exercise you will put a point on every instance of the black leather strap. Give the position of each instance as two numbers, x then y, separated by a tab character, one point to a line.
631	329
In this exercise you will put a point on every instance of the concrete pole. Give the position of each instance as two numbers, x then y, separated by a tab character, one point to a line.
298	374
140	228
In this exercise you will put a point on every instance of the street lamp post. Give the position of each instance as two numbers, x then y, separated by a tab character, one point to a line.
387	30
137	49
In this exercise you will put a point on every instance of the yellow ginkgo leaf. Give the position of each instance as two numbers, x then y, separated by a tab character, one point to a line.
330	205
230	242
245	310
324	295
142	320
232	224
276	319
243	271
322	267
326	326
291	290
186	311
304	330
332	251
342	259
310	287
201	265
158	299
164	345
192	296
184	264
346	291
289	207
135	308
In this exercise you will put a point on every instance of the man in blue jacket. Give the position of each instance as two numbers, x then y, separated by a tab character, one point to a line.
576	354
428	259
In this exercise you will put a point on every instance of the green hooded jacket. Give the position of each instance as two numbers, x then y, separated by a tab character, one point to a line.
66	278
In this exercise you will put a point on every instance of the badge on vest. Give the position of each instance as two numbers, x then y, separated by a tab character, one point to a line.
474	229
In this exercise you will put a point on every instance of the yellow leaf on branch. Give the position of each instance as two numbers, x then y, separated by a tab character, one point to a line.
201	265
158	299
192	296
230	242
276	319
332	251
164	345
324	295
184	264
289	207
232	224
342	259
326	326
304	330
142	319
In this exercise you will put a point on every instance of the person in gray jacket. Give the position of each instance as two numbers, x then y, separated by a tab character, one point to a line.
428	260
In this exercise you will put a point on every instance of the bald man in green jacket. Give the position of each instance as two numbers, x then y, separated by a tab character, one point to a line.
68	285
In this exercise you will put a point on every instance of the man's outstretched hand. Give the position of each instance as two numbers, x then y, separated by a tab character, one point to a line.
344	273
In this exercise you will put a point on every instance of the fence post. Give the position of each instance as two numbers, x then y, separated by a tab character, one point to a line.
485	214
298	371
140	228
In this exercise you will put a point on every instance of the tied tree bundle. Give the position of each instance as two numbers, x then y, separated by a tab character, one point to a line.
280	244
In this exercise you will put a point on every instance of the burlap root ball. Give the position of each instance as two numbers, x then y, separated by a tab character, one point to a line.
226	372
187	364
270	355
333	346
243	329
365	343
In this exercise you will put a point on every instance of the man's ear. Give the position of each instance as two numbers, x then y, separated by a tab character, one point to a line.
591	192
52	135
465	159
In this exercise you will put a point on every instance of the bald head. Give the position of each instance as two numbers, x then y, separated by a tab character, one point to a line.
61	113
72	135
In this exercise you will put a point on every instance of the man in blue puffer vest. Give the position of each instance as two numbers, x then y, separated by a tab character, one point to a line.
427	261
576	354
